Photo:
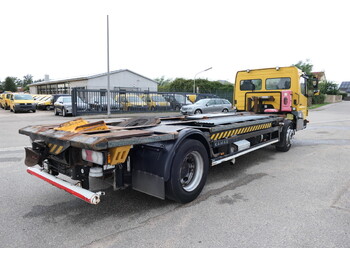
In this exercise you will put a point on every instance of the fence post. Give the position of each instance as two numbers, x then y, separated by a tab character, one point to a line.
74	102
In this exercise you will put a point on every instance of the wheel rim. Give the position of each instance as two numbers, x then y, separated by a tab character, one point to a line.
289	136
197	112
191	171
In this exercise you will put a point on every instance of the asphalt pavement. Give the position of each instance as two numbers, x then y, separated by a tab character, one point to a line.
300	198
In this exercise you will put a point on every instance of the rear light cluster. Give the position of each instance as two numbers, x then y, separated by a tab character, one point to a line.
114	156
93	156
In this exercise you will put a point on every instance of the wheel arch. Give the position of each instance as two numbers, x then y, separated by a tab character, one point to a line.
184	134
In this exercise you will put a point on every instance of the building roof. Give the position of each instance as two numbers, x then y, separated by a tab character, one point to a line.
319	75
65	80
345	86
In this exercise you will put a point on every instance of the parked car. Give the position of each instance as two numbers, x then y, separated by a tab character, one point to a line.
63	105
207	105
100	103
131	102
45	103
177	100
155	102
22	102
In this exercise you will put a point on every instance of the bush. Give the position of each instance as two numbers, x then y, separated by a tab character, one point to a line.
343	95
318	99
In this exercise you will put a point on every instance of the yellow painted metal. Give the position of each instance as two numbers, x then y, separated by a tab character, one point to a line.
71	125
55	149
100	125
81	125
118	155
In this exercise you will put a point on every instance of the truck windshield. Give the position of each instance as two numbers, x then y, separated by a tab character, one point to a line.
23	97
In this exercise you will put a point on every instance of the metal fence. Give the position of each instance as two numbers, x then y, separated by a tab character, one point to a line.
90	101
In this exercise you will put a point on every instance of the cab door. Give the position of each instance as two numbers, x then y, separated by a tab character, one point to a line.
302	101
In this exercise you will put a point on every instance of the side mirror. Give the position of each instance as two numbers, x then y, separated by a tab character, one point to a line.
315	86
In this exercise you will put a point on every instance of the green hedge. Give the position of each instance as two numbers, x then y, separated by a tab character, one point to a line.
318	99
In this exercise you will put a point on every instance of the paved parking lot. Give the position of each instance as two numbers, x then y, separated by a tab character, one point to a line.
267	199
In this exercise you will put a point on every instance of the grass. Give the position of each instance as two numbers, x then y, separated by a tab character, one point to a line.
317	105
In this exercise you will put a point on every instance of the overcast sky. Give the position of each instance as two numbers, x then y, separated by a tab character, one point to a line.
172	38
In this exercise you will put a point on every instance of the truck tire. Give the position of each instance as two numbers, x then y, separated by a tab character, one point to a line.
188	172
287	134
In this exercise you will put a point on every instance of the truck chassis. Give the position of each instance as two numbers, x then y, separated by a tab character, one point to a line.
166	157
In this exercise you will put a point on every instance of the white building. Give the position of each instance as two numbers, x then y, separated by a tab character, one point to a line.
120	79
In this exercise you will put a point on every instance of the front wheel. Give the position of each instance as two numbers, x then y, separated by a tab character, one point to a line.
64	113
189	172
198	111
286	137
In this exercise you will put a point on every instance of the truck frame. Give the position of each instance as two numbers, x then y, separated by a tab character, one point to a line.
169	157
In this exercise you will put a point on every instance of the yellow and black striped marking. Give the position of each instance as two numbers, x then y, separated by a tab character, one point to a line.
55	149
238	131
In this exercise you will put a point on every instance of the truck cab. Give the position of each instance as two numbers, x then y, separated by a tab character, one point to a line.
280	90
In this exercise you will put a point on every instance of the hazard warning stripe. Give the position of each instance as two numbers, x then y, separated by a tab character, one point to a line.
238	131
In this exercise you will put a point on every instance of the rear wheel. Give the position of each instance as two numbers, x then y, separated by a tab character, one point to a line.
287	134
189	172
225	110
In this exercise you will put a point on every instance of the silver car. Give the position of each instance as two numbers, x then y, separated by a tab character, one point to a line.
207	105
63	105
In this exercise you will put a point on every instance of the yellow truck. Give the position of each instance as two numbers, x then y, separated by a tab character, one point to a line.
170	157
21	102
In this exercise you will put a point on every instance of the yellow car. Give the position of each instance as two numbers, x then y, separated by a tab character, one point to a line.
6	100
131	102
2	100
45	103
155	102
22	102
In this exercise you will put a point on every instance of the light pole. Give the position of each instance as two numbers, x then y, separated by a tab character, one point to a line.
194	80
108	75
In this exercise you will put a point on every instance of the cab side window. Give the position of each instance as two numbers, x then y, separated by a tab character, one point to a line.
303	85
278	83
251	84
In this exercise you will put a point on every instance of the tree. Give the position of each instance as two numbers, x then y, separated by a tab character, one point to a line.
9	84
329	88
27	80
163	84
306	67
